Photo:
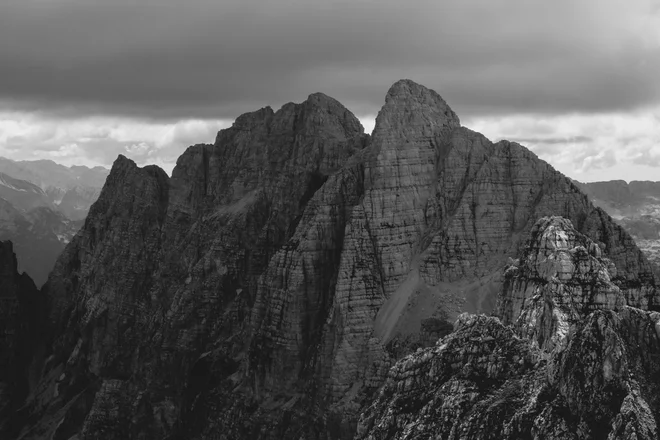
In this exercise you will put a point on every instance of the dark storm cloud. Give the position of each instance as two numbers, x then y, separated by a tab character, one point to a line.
182	59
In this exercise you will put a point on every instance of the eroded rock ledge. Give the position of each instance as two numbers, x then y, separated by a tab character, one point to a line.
571	357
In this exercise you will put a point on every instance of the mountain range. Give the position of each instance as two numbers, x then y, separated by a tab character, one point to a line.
41	215
299	278
71	189
634	205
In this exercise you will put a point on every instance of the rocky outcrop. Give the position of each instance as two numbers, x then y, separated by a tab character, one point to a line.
22	323
571	357
442	208
267	287
154	294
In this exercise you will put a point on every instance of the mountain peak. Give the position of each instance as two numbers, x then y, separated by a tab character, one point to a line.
408	87
122	161
406	91
411	106
321	97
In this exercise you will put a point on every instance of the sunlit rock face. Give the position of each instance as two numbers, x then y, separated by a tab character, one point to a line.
266	289
570	357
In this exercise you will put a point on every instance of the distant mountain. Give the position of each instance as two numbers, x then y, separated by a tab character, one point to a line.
71	190
42	205
39	236
49	173
74	202
22	194
635	205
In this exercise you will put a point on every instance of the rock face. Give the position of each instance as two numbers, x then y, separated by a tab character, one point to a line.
267	287
22	319
572	357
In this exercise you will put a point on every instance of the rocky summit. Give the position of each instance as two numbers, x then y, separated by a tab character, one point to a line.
273	286
572	356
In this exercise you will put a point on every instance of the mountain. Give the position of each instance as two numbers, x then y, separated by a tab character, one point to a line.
75	201
42	214
22	324
636	206
268	287
571	357
39	236
71	189
22	194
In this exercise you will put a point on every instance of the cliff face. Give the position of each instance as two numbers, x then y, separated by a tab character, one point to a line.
22	319
266	288
580	360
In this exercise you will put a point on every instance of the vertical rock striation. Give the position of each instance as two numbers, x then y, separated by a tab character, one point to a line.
265	289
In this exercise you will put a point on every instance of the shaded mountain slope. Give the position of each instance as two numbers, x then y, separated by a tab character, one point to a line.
22	324
258	291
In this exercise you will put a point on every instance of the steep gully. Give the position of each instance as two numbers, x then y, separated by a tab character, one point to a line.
266	289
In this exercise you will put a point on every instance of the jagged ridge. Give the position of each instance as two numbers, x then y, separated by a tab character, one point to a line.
255	293
581	361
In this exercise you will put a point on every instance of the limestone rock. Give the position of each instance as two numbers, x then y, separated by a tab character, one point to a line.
579	362
256	293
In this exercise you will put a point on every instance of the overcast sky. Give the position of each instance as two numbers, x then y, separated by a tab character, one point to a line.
577	81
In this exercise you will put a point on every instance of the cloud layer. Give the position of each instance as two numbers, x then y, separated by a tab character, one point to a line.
618	146
98	140
201	59
574	80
